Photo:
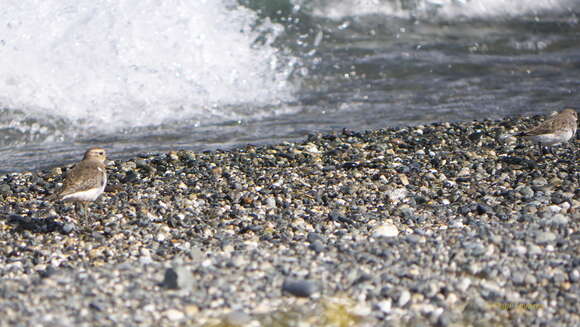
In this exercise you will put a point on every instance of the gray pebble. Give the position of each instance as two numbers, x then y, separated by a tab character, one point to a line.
531	279
68	227
538	182
314	237
518	278
238	318
574	276
5	189
526	192
317	246
545	237
534	249
558	220
444	320
299	287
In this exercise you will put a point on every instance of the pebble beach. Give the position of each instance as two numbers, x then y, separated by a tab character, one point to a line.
446	224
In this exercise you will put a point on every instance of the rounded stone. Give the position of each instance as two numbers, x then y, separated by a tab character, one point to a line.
68	227
559	220
545	237
238	318
317	246
385	306
404	298
174	315
5	189
386	230
299	287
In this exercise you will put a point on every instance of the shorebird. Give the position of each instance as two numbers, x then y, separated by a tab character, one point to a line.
555	130
86	180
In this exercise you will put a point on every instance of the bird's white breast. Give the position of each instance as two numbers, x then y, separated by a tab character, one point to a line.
88	195
553	138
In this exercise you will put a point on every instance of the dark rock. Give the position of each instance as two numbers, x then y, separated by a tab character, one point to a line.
312	237
130	177
363	277
350	165
474	137
177	278
483	208
35	225
49	271
519	161
299	287
317	246
465	179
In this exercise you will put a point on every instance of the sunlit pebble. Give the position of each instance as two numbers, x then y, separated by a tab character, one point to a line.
174	315
385	306
160	237
386	230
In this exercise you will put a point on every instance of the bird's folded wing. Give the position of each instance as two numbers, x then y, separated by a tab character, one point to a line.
546	127
84	176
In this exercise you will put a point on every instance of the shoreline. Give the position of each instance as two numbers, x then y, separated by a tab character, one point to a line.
444	223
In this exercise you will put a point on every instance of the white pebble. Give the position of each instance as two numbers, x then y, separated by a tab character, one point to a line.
361	309
160	237
385	306
386	230
404	298
145	252
507	138
174	315
554	208
465	171
311	148
271	202
464	284
397	194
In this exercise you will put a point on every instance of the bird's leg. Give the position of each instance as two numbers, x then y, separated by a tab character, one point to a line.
76	210
537	155
547	150
86	210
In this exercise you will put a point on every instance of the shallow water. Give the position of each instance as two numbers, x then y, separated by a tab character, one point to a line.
149	76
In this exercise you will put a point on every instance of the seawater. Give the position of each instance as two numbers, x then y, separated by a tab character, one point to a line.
141	76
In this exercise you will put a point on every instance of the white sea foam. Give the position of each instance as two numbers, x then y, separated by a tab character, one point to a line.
445	9
117	64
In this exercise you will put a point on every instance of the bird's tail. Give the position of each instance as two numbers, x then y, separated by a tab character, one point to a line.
54	196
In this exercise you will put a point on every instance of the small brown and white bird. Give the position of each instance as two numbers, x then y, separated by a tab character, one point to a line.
556	130
86	180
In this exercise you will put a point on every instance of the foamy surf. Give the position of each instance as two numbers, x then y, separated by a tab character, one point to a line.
108	65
